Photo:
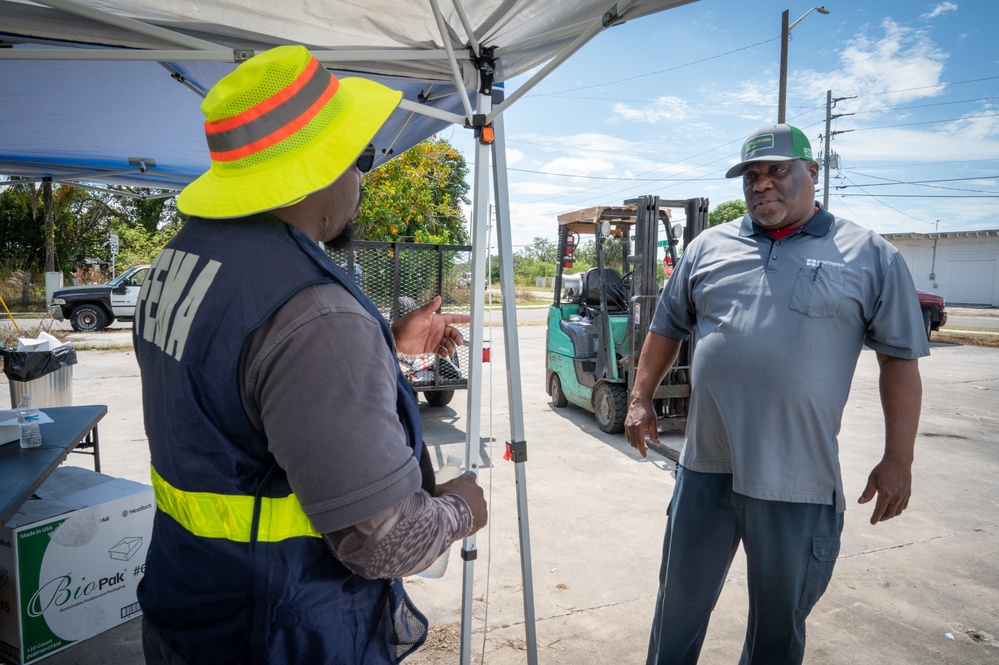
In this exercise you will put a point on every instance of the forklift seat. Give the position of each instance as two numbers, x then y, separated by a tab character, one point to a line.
617	295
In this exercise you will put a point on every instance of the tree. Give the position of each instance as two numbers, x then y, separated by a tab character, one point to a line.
22	225
541	249
84	220
726	212
417	197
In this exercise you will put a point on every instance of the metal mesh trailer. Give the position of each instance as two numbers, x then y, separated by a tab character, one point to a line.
400	276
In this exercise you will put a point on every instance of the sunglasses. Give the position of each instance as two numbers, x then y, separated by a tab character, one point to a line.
367	159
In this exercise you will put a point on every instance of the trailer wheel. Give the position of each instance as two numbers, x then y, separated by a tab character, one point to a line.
88	318
555	390
610	406
439	397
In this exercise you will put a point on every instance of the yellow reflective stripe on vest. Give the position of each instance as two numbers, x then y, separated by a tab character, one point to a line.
230	516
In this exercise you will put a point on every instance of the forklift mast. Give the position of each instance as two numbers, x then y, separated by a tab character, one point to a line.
599	319
644	260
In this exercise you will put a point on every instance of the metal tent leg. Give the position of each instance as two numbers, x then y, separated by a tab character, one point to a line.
517	442
473	458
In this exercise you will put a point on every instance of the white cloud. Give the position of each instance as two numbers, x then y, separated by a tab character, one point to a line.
905	144
531	220
577	166
897	67
513	156
982	124
752	99
940	10
660	110
538	188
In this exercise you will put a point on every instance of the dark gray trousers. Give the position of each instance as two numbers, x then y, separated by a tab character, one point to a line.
791	549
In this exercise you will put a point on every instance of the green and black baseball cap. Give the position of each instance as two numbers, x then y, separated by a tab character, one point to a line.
773	143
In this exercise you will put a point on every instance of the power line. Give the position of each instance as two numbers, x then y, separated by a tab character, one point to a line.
661	71
923	106
927	122
924	183
890	207
925	196
926	87
613	178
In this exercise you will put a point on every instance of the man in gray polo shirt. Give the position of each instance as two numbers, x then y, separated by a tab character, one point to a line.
780	304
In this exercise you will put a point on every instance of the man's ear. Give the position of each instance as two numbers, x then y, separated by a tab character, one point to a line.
813	168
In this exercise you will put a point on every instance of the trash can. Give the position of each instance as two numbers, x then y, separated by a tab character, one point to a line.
47	375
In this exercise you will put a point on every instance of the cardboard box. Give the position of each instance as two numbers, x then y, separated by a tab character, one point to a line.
70	562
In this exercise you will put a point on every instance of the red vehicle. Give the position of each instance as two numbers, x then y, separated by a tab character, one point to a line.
934	314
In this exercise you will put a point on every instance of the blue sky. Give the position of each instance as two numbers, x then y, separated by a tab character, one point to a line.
662	104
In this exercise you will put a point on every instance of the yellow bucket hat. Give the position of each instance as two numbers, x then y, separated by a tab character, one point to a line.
280	127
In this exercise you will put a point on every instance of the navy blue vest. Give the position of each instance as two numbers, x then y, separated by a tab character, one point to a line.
216	600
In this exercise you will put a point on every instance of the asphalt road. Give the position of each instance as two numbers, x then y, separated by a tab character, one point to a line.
919	589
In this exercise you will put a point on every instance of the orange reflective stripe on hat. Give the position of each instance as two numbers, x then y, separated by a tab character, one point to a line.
274	119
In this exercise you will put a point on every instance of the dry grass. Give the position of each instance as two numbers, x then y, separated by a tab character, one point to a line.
9	334
443	638
968	339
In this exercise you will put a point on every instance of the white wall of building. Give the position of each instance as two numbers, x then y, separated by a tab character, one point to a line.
962	266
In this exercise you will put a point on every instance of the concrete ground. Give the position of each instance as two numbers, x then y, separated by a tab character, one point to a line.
923	588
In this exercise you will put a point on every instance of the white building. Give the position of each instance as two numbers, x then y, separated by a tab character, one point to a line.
962	266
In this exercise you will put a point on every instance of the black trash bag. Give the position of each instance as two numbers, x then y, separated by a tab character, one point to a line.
28	365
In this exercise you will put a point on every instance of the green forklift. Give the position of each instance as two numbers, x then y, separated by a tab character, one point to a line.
599	319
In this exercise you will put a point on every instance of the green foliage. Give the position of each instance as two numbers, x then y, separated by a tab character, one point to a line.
726	212
137	245
542	250
22	243
417	197
84	220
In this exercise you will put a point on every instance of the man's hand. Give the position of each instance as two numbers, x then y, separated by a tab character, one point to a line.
658	354
901	398
424	331
641	418
891	480
466	487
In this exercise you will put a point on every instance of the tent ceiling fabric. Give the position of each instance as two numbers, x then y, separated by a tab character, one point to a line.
88	115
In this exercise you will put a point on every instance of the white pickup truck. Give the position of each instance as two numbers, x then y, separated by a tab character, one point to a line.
96	306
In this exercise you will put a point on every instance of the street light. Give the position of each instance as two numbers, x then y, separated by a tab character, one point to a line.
785	34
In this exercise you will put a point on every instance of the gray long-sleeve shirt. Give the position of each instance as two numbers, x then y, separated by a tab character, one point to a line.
320	382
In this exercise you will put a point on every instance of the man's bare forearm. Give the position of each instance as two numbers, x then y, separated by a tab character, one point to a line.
901	400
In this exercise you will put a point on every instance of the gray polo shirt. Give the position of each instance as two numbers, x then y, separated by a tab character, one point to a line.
779	328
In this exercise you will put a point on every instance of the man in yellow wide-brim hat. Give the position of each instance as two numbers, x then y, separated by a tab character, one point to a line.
291	483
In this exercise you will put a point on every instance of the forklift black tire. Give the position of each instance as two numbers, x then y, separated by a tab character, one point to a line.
555	390
439	397
88	318
610	406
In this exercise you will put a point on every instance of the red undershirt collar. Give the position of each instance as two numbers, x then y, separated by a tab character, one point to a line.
779	234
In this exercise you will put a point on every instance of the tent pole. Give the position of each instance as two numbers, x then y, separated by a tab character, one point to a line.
473	43
598	26
517	445
433	112
459	84
476	330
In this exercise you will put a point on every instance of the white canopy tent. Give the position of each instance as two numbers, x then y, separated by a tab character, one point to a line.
107	91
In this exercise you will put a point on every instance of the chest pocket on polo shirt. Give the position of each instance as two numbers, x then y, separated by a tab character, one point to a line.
818	290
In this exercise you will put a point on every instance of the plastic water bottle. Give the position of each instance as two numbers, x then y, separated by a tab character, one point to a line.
27	419
450	471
